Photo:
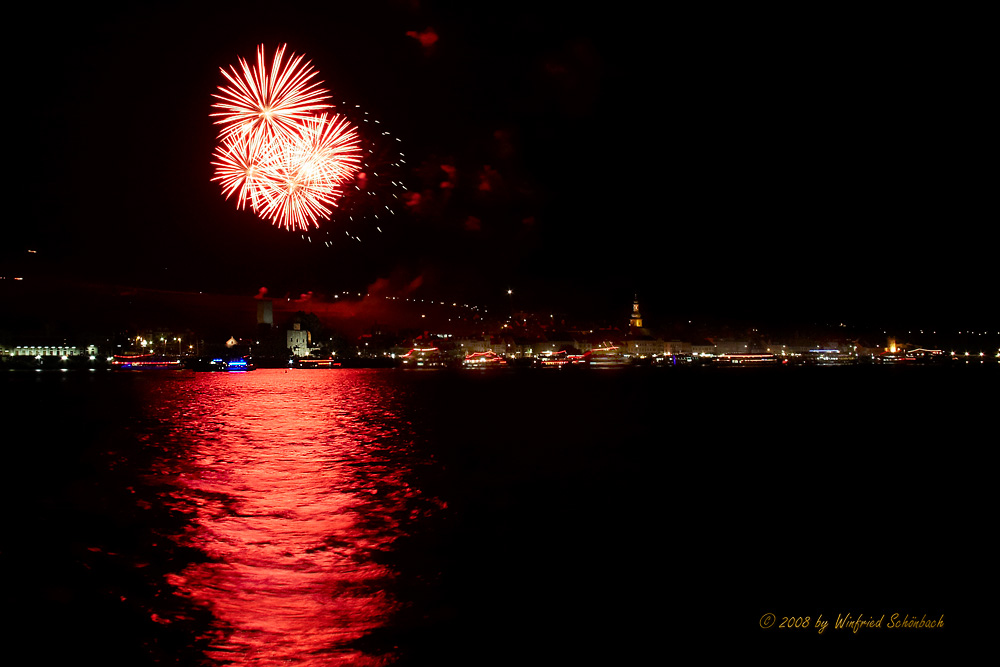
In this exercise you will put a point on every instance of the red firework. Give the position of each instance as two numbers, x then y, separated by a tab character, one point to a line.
274	152
268	102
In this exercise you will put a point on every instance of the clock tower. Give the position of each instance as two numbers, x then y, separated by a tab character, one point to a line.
636	322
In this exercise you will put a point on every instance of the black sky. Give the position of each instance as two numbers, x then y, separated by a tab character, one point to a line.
812	164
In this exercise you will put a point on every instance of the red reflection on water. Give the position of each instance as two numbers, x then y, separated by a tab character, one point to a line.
293	480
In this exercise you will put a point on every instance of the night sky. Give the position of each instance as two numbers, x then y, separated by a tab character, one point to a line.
794	165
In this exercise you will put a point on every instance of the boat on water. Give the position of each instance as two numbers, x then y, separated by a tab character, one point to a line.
488	359
145	362
747	359
424	357
221	364
562	359
605	357
317	363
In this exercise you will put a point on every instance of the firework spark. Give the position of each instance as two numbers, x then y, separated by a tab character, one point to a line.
289	163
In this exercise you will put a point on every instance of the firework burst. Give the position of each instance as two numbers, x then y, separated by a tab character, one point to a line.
326	149
268	102
303	179
275	151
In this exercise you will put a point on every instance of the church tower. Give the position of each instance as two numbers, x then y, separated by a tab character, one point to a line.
636	322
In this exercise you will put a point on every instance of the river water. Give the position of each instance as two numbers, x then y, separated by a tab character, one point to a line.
383	517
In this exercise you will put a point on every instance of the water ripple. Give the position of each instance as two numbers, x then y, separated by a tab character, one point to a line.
291	484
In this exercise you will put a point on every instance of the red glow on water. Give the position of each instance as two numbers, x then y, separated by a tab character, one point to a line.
291	490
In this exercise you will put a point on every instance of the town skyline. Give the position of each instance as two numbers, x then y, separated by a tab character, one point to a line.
111	320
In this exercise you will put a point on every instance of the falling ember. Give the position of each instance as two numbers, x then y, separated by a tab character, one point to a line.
377	187
275	151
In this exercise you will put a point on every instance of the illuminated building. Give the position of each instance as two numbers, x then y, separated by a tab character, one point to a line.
732	347
298	340
639	341
644	346
677	348
703	348
475	345
47	351
716	347
635	323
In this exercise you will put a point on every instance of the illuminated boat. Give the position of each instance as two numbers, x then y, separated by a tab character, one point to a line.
488	359
221	365
895	358
317	363
145	362
238	365
562	359
605	357
423	357
747	359
829	357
